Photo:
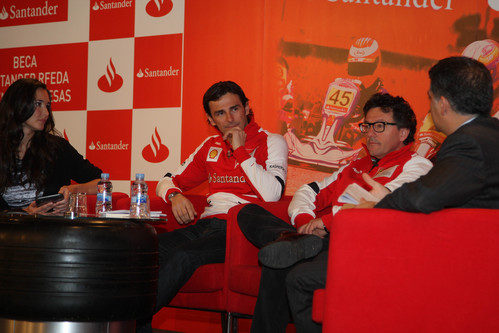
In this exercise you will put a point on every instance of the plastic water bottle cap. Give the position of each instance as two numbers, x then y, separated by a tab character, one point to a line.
104	176
139	176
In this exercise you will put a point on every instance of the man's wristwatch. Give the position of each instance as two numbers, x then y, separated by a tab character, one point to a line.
171	195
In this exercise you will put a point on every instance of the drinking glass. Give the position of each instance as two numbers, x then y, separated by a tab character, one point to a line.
77	206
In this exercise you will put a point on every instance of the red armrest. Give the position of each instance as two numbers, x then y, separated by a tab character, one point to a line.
240	250
242	273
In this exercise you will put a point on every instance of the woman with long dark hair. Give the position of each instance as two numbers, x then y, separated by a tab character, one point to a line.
34	159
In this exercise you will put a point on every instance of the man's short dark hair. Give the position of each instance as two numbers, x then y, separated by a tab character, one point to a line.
403	115
216	91
465	82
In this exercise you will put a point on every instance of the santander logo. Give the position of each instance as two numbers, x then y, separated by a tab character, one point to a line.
156	151
158	8
108	146
112	5
4	15
111	81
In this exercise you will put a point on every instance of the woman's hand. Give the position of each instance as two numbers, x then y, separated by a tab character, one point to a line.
61	207
44	209
51	208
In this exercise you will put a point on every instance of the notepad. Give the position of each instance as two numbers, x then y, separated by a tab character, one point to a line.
353	193
125	214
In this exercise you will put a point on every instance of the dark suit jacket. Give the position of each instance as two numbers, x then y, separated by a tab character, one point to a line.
465	173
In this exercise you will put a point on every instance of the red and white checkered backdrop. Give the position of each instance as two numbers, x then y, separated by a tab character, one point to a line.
114	68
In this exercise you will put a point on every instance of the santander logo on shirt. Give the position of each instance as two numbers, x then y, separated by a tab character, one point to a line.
111	81
158	8
156	151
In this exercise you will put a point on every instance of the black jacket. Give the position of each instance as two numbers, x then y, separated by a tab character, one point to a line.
69	165
465	173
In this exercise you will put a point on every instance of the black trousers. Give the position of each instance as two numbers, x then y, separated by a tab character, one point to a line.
181	252
282	289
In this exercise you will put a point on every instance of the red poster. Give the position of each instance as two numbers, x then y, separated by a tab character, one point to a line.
332	56
63	68
157	71
120	13
109	141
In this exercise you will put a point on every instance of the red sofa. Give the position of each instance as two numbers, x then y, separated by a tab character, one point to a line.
229	288
391	271
388	271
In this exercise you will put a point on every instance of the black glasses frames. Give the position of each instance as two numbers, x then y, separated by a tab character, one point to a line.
378	126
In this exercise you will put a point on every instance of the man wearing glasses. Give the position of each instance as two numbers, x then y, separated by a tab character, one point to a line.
388	127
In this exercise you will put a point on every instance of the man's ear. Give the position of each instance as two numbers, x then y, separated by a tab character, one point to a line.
445	106
210	120
247	108
403	133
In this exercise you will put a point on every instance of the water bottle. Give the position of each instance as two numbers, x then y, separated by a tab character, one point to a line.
139	200
104	201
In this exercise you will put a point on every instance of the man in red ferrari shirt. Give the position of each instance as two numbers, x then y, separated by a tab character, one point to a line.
242	164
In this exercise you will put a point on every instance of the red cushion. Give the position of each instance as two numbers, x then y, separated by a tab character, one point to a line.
206	278
245	279
243	271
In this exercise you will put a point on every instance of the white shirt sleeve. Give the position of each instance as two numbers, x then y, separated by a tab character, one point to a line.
264	180
303	201
416	167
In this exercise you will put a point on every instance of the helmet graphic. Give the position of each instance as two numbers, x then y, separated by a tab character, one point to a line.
487	52
364	49
363	57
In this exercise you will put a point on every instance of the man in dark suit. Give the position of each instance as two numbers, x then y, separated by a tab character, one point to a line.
466	169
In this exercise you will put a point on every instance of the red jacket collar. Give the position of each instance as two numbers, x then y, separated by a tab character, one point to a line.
391	155
252	128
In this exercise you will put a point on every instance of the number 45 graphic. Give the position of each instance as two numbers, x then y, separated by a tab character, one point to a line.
341	97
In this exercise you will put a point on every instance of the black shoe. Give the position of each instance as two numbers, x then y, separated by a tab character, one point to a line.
288	249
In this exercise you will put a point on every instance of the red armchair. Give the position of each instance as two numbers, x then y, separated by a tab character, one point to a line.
243	271
206	289
391	271
229	288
